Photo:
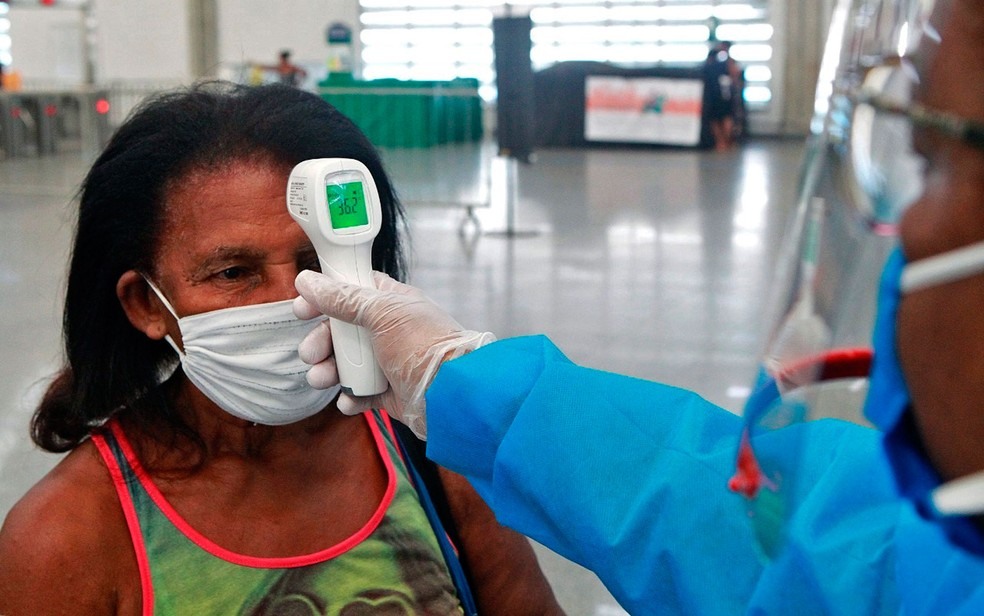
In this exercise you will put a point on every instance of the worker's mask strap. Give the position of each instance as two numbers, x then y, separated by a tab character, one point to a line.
942	268
964	496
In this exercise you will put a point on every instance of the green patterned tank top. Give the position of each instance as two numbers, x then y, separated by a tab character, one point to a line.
393	565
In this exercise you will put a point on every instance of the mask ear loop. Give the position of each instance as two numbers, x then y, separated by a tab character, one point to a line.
964	496
943	268
170	308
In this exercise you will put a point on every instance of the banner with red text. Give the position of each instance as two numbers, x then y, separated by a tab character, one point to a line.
643	110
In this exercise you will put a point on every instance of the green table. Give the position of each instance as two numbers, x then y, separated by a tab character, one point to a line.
409	114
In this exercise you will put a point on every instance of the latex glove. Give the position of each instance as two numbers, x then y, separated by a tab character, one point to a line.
410	334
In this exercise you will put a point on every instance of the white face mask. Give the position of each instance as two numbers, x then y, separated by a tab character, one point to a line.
245	360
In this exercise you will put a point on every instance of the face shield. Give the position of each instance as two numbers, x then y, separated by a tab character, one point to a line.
859	174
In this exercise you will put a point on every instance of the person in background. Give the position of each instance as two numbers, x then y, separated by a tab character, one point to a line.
288	73
683	508
203	474
723	106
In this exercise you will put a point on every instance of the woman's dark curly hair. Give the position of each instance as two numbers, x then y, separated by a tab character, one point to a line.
110	364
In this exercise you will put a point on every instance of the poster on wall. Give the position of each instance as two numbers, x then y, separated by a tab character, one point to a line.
642	110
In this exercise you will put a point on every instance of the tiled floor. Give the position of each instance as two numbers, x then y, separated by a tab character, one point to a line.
649	262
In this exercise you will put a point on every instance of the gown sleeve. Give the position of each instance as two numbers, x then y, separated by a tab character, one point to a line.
629	478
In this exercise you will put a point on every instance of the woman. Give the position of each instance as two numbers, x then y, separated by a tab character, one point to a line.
203	474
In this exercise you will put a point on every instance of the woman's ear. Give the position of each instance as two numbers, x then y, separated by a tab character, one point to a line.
141	306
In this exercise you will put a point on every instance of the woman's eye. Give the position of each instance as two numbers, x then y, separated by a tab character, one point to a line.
231	273
309	262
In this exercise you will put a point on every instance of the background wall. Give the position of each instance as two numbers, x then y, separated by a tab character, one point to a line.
178	41
800	33
162	40
140	40
47	44
249	31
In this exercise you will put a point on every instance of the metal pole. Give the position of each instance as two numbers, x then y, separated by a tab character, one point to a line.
510	188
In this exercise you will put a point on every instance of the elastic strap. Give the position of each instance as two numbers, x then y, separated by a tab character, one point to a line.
942	268
160	296
170	308
455	566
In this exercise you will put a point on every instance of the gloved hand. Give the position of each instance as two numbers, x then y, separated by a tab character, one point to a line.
410	334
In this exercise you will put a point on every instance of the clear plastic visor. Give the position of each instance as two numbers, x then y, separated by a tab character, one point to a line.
859	174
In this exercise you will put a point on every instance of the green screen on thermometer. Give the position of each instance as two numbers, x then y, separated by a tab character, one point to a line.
347	205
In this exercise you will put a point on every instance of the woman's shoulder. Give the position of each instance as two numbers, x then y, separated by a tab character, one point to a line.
68	526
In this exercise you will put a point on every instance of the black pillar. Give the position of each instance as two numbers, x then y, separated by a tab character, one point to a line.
514	81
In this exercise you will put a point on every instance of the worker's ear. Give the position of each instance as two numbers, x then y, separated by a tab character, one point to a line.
142	307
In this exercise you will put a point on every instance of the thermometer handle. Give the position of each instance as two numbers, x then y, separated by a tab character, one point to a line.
358	371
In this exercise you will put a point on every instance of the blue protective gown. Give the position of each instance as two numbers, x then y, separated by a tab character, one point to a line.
628	478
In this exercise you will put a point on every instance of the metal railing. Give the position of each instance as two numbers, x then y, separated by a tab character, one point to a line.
48	118
435	140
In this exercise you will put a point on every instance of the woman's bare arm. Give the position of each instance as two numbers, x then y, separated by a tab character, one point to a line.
505	575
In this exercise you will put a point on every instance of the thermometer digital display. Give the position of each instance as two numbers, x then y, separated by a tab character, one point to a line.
347	205
336	203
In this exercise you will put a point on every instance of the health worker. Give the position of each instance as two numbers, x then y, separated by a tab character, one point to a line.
794	508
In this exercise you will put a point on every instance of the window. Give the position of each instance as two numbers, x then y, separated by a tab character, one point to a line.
5	57
445	39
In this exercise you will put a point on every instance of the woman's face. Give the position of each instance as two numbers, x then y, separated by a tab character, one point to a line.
228	240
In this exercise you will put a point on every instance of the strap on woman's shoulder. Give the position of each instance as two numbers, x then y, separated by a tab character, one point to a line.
434	501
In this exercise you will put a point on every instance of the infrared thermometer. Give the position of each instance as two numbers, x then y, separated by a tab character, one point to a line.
336	203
